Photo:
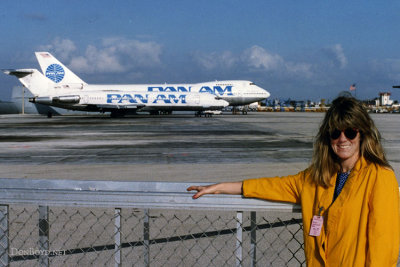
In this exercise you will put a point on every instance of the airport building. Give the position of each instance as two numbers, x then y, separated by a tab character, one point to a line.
384	99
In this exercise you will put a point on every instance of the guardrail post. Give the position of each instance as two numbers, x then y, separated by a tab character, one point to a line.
117	237
239	238
44	236
253	238
146	238
4	244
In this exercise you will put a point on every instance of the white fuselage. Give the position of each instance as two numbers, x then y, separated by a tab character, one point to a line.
234	92
152	97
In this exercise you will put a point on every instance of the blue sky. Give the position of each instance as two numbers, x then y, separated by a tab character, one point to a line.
297	49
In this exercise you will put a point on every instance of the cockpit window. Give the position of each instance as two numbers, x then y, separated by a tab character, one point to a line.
252	84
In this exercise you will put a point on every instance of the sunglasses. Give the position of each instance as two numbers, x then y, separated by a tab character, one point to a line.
350	133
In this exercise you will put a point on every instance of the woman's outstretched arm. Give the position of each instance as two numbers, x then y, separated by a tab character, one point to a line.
232	188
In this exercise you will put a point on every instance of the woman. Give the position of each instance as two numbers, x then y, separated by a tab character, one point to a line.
349	194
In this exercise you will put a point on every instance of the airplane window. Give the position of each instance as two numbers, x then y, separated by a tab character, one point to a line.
252	84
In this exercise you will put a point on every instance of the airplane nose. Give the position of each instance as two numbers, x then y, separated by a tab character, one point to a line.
264	92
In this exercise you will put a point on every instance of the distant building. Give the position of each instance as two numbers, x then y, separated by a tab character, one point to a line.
384	99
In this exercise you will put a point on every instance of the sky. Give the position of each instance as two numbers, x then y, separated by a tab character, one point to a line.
303	50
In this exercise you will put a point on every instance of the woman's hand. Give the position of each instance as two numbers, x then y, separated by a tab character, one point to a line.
202	190
234	188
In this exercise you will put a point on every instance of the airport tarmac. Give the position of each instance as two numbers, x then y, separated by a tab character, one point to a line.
167	148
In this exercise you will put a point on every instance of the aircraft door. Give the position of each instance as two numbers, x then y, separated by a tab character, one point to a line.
85	99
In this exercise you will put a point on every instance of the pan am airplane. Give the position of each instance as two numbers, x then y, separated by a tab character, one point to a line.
60	87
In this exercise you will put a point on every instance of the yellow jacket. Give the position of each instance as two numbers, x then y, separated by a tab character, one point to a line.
361	228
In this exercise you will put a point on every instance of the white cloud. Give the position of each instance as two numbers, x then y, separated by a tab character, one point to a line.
215	60
97	60
255	59
61	48
112	55
258	57
336	54
139	53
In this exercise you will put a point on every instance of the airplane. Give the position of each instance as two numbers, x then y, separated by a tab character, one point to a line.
118	102
60	87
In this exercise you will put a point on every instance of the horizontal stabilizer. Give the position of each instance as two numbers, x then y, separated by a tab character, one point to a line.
19	73
31	79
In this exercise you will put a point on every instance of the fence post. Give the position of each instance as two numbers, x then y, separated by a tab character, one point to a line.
117	237
253	238
44	236
4	244
239	238
146	238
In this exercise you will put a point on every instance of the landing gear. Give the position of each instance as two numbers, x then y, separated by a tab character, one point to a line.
236	110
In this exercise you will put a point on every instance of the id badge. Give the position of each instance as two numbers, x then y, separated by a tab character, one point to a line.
316	225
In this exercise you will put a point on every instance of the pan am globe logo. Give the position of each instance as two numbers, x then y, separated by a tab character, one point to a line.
55	73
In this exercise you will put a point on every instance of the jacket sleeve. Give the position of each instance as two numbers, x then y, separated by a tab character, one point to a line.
383	221
287	188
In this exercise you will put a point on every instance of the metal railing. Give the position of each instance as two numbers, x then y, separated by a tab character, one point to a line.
109	223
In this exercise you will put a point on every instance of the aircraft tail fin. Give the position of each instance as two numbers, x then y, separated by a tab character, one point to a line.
55	70
31	79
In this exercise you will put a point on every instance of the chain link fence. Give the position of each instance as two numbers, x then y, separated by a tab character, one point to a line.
90	236
93	223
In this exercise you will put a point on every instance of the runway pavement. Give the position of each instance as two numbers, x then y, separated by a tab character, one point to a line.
167	148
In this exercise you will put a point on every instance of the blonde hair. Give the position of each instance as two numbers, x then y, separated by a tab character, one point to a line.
345	112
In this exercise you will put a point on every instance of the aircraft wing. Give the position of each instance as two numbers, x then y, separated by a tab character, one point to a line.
108	106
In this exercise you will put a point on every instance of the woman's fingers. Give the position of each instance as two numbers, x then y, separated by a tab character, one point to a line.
201	190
